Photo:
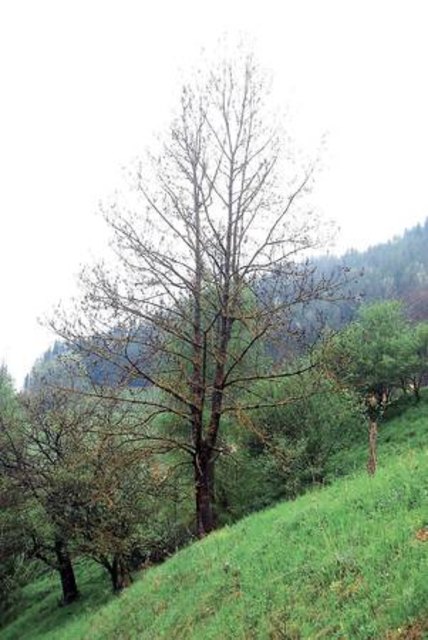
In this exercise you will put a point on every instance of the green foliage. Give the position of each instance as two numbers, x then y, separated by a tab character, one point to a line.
419	370
284	449
404	429
81	480
7	391
376	351
342	562
13	569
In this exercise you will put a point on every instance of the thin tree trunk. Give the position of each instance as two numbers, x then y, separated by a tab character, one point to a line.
417	390
70	592
372	461
120	574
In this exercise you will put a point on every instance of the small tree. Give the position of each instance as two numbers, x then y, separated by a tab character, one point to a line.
209	248
111	504
35	448
372	355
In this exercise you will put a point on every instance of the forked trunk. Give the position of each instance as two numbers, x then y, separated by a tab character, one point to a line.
372	461
70	592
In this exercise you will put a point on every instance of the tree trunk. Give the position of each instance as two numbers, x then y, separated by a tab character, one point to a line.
120	574
70	592
372	461
204	490
417	389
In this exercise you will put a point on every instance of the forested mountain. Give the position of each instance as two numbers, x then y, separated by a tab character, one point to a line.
44	362
397	269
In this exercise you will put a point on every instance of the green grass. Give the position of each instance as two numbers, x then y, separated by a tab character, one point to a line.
38	612
404	428
342	562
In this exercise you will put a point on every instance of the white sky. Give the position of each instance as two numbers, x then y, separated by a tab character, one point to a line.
85	83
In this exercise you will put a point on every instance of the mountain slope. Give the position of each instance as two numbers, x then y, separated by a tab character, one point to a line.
348	561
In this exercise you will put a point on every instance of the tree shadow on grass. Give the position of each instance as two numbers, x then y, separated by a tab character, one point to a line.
38	612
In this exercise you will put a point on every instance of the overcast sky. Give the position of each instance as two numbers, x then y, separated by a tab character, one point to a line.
85	83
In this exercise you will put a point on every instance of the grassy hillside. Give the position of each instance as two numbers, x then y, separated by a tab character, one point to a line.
345	562
404	429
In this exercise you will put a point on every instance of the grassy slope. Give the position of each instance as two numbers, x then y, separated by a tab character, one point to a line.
342	562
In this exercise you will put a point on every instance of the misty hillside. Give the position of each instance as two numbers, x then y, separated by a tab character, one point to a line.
397	269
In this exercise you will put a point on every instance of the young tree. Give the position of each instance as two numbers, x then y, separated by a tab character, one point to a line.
373	355
209	250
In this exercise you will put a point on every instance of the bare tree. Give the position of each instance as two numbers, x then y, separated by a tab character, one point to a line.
208	269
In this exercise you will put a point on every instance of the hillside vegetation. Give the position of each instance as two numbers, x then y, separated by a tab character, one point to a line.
346	561
208	372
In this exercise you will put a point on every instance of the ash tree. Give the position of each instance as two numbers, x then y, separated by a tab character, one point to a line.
209	245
